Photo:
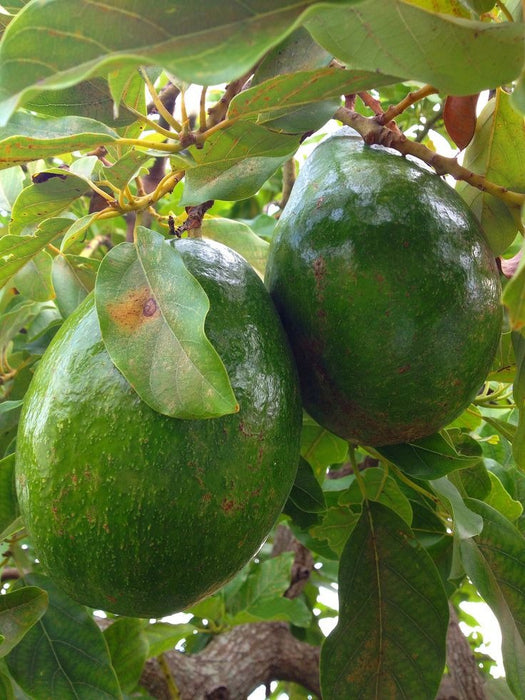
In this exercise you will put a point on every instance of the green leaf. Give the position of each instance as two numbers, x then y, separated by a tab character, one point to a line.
207	48
6	687
11	184
382	488
495	562
239	237
261	596
518	442
290	102
500	499
126	168
466	522
45	200
152	313
320	447
398	38
163	636
77	230
128	648
337	525
393	611
19	611
8	501
429	458
33	280
64	654
235	162
90	98
73	278
497	151
28	137
297	52
306	492
16	251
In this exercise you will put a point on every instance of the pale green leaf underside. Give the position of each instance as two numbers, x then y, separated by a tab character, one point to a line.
80	38
397	38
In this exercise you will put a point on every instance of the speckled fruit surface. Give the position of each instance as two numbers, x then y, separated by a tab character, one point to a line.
140	514
388	292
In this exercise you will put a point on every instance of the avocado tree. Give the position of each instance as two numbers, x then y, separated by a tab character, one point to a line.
154	457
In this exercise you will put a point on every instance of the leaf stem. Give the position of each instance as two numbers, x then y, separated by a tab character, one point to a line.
161	109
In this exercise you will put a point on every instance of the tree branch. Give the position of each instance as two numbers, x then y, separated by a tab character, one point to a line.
236	662
373	132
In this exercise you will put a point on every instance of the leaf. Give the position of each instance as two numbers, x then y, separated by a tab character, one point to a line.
397	38
337	525
320	447
152	313
206	48
163	636
393	612
27	137
6	687
11	184
16	251
90	98
77	230
495	562
240	237
286	102
8	500
128	648
518	442
19	611
73	279
459	115
33	280
513	298
466	522
501	500
235	162
306	492
497	151
382	488
429	458
64	654
126	168
261	595
45	200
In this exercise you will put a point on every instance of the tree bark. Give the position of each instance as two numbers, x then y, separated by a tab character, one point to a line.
237	662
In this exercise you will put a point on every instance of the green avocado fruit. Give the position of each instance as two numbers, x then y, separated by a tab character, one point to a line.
140	514
388	291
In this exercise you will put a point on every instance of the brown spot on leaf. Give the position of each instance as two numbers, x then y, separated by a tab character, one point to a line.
134	309
149	307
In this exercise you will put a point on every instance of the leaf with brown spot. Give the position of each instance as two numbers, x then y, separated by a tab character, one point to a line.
151	312
391	634
459	116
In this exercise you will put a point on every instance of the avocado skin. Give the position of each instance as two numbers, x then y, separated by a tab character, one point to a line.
140	514
388	291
